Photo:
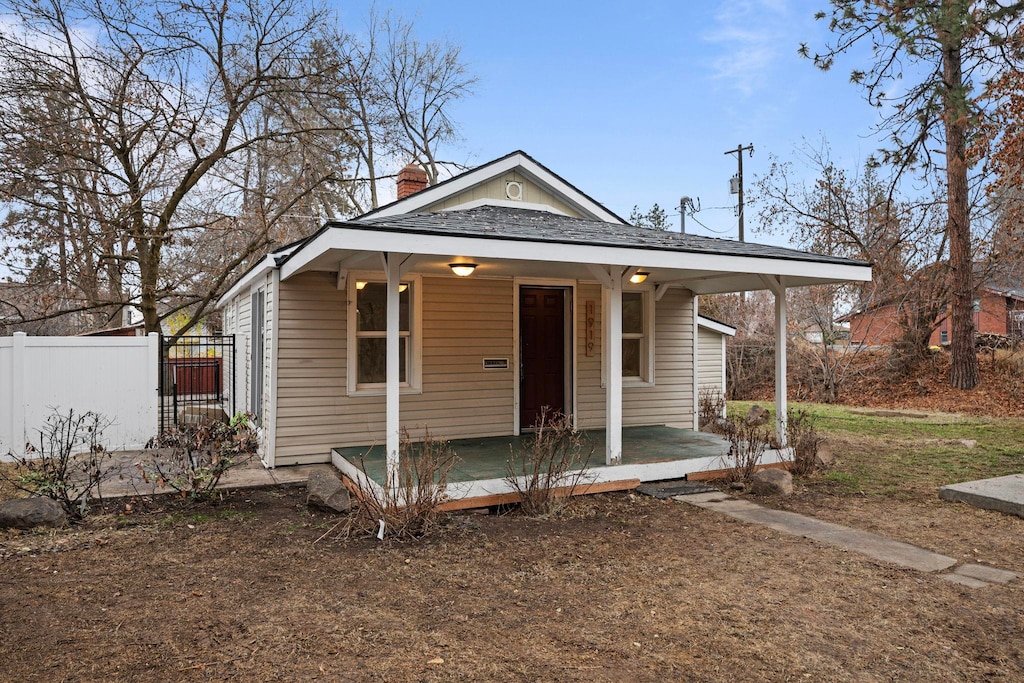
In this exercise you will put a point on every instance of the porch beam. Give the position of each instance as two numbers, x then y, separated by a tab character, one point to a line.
661	290
601	274
344	265
408	263
774	284
392	263
630	272
613	395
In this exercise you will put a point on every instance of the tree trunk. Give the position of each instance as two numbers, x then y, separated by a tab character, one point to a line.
963	372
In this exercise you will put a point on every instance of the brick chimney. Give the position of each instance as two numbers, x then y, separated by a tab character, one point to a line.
411	179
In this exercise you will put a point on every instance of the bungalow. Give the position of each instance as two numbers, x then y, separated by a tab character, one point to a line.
470	305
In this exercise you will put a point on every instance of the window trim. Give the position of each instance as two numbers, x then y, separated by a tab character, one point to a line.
414	363
646	378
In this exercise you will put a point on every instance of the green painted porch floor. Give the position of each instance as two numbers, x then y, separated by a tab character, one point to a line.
487	458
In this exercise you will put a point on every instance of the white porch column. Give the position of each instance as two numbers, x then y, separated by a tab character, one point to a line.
613	396
781	404
393	267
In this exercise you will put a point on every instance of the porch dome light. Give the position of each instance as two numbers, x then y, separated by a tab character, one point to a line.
462	269
639	276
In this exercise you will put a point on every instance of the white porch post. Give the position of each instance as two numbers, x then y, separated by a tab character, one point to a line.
781	404
393	265
613	397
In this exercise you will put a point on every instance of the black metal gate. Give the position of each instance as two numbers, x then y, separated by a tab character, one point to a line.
197	379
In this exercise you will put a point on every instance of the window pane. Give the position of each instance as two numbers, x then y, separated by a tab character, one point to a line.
631	357
372	306
372	355
632	313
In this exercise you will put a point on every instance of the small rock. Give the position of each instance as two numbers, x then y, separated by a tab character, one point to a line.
27	513
757	416
737	485
824	457
968	443
771	482
326	490
436	660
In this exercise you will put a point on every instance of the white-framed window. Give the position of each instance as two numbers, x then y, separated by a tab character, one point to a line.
637	336
367	334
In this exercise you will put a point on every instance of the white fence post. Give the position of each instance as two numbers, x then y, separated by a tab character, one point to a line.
153	352
18	394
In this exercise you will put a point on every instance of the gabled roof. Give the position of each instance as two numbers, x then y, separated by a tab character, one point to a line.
519	161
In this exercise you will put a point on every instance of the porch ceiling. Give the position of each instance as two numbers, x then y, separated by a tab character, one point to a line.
697	279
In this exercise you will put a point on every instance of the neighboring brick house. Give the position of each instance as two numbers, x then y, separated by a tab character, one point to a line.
998	311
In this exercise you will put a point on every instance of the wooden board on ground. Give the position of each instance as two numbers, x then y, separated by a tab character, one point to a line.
724	474
510	498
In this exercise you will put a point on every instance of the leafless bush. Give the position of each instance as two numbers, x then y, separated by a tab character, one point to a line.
747	444
409	506
710	407
804	439
191	459
68	464
551	467
751	364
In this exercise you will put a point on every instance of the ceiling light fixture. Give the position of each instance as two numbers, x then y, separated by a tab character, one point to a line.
462	269
638	277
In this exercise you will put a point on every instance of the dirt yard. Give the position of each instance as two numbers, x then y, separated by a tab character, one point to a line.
626	589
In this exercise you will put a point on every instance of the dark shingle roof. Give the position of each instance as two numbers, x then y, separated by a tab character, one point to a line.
506	223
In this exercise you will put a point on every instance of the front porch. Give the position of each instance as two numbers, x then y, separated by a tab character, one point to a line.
477	479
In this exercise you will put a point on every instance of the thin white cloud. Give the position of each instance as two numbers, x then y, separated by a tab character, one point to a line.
749	36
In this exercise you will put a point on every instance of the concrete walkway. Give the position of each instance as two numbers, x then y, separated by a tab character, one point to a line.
863	542
127	479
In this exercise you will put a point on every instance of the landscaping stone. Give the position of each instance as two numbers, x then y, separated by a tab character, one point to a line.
326	490
757	416
968	443
824	457
772	482
28	513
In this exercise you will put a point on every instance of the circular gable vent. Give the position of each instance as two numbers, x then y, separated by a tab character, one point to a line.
514	189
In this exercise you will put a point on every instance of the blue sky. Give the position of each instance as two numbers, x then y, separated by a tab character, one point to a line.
636	103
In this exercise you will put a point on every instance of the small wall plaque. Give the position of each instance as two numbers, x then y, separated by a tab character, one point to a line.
495	363
589	328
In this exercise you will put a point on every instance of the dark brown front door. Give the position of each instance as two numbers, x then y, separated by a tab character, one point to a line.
541	352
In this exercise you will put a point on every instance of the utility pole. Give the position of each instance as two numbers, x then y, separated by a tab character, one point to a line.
740	149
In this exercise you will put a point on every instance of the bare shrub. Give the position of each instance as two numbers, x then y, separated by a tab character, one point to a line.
409	506
804	438
191	459
710	406
551	467
748	441
67	464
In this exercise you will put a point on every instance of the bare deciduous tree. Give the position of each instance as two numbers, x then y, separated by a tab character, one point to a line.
126	117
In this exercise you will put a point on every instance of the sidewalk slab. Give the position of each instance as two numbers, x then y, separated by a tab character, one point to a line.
1004	494
985	573
863	542
964	580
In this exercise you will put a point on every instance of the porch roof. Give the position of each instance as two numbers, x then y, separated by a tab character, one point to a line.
507	241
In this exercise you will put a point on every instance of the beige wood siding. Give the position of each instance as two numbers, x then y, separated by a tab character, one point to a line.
670	399
495	189
709	359
463	322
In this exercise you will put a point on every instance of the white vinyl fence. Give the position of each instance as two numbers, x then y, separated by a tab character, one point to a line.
116	377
